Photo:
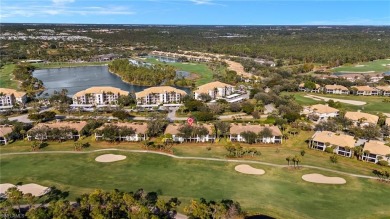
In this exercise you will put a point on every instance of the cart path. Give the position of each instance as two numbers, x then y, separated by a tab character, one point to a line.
188	158
352	102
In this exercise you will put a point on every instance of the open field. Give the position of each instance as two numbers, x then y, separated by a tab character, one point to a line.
374	104
276	193
204	73
67	64
6	75
381	65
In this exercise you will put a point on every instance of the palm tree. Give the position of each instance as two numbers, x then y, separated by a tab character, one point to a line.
289	158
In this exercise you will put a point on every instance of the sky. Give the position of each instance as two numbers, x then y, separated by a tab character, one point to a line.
197	12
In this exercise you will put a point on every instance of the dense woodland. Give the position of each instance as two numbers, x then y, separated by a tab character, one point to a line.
333	45
154	75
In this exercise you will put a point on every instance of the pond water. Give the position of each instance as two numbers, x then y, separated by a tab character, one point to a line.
76	79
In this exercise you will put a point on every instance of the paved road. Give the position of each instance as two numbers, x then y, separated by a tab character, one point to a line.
352	102
187	158
24	118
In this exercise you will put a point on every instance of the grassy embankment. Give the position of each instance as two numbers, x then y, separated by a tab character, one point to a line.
374	104
279	193
377	66
67	64
201	70
6	77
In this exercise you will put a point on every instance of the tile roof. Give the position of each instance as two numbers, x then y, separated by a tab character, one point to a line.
303	85
377	147
79	125
140	128
364	88
99	90
355	116
335	87
239	128
383	88
173	128
334	139
321	108
5	129
211	86
8	91
160	89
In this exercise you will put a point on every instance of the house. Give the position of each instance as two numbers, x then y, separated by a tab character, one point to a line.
365	90
160	95
11	97
44	131
351	77
323	111
375	150
173	129
387	122
336	89
384	90
237	129
362	119
139	128
99	96
343	144
317	89
4	131
215	89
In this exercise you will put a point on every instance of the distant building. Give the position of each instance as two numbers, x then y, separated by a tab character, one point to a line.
323	111
387	122
336	89
215	89
159	95
236	131
139	128
365	90
384	90
99	96
317	89
362	119
375	149
11	97
343	144
5	130
173	129
46	128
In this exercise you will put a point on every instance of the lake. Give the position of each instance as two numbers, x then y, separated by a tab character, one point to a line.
76	79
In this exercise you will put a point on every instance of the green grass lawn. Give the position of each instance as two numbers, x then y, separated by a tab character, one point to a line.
66	64
279	193
374	104
377	66
6	75
202	70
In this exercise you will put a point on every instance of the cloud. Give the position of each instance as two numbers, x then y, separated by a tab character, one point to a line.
62	1
206	2
45	11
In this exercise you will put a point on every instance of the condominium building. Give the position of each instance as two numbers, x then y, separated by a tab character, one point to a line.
362	119
10	97
323	111
375	150
343	144
384	90
365	90
99	95
215	89
159	95
236	131
336	89
302	87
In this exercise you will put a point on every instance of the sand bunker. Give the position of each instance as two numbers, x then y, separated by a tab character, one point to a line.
319	178
243	168
359	65
34	189
106	158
